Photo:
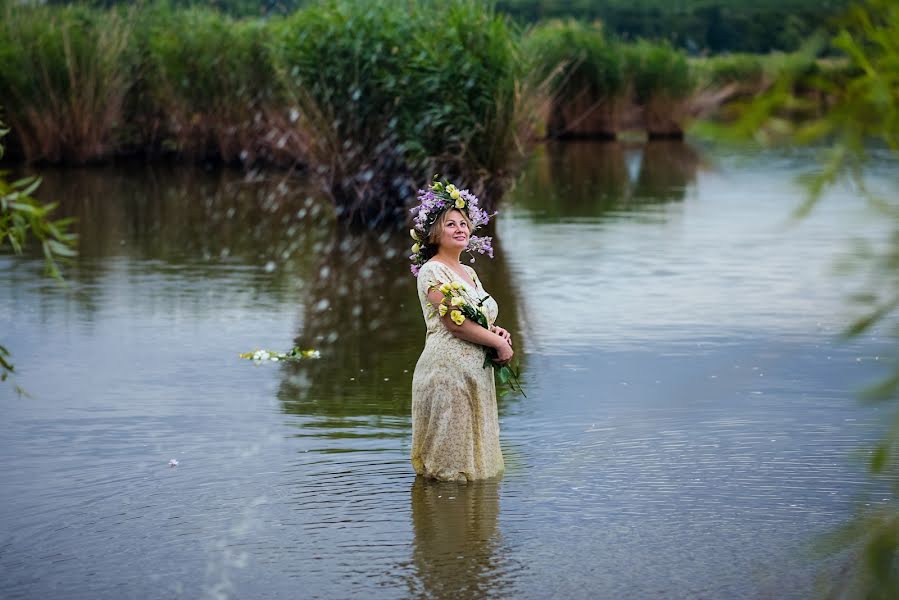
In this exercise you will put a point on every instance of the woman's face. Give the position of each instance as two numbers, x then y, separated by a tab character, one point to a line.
455	231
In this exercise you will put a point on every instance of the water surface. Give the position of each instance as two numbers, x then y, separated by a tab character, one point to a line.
690	424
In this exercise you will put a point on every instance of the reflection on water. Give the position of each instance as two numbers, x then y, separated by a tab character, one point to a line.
360	303
587	180
666	169
689	421
456	550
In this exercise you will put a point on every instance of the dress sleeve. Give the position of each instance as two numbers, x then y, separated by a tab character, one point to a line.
430	275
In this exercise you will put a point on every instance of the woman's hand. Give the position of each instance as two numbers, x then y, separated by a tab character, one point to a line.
502	333
504	353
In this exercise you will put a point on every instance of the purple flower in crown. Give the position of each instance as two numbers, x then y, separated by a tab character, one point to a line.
481	245
432	203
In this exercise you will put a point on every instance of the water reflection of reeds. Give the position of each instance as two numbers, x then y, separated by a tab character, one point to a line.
594	180
263	243
190	219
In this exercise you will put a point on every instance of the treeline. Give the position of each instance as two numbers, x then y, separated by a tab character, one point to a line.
698	26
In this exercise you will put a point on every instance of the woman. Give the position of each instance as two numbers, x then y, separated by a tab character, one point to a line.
455	428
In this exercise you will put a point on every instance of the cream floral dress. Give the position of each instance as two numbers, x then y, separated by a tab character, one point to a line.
455	428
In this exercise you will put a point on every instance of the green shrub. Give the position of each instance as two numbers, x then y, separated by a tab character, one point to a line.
576	57
387	94
585	74
207	77
658	70
662	82
725	69
64	76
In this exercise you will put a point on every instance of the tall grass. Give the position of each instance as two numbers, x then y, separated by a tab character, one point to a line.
662	83
386	96
207	83
373	97
586	77
64	75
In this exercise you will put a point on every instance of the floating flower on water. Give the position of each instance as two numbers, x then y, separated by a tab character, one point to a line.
173	463
266	355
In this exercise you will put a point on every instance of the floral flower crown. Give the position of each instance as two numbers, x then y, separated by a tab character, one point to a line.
435	201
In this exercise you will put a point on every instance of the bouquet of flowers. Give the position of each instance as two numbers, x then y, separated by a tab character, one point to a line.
460	306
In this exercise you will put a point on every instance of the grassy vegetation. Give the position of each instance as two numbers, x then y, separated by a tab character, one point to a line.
662	83
371	97
64	76
600	87
586	76
206	78
385	97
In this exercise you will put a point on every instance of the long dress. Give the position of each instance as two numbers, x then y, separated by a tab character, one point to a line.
455	427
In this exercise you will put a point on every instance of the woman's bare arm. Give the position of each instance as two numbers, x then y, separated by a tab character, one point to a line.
470	331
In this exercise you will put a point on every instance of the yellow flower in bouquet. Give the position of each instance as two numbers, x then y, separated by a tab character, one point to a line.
457	317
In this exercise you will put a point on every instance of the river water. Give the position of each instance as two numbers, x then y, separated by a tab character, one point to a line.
691	426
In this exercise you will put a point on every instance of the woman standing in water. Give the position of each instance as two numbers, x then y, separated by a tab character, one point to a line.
455	427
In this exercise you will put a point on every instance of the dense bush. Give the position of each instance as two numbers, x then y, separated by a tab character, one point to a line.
386	96
64	77
206	81
662	82
585	74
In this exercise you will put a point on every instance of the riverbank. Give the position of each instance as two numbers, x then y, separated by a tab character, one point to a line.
368	98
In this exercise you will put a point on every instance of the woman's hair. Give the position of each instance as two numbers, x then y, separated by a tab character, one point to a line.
436	230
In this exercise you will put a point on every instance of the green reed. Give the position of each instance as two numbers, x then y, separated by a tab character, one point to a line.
386	95
586	76
64	75
662	83
207	82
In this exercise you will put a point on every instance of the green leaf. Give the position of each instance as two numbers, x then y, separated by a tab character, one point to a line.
880	457
61	249
24	208
32	182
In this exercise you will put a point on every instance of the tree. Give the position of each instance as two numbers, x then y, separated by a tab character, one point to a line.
21	217
849	112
